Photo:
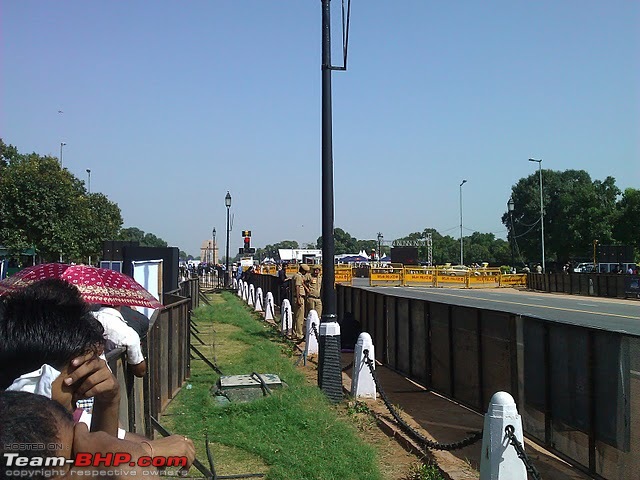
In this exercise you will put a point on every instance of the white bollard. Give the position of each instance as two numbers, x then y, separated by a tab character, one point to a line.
245	292
259	304
240	288
311	345
287	317
251	298
235	282
362	383
499	459
269	311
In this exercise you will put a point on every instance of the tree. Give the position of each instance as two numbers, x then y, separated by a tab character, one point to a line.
134	234
626	227
577	211
44	205
344	243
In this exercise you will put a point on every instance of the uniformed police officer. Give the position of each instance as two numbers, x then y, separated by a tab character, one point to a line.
299	294
314	284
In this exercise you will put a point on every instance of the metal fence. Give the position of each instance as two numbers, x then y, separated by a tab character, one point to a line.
577	389
591	284
166	348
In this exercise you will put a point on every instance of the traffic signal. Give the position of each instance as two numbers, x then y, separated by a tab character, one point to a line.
247	242
246	233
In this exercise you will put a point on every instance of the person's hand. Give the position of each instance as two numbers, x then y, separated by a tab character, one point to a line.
177	445
89	377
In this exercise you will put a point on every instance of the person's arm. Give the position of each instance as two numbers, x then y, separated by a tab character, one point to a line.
91	377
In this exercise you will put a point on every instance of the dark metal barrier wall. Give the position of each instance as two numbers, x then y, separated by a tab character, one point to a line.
577	389
590	284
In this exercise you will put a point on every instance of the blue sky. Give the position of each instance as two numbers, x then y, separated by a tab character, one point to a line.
171	104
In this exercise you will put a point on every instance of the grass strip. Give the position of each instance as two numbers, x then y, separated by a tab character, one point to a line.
293	434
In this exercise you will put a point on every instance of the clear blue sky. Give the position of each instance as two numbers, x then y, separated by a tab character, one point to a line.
172	103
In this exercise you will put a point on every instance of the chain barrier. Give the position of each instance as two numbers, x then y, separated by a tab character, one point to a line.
405	426
315	332
271	306
510	431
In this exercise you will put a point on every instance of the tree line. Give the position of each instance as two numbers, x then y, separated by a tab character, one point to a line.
45	206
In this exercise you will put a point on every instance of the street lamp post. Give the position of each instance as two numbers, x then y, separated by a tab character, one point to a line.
380	237
62	144
511	206
227	203
461	244
89	180
541	211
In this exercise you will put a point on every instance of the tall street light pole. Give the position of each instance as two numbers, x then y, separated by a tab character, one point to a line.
89	180
461	244
511	206
541	211
329	362
227	203
62	144
380	237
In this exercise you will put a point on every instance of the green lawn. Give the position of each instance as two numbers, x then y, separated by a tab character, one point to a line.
293	434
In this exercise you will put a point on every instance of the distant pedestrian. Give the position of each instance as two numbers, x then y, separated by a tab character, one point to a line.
538	268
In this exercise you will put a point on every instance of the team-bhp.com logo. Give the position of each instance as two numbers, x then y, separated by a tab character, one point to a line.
17	465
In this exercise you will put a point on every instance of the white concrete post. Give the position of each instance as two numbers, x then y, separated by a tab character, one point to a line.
251	299
269	311
499	459
362	384
259	304
240	288
287	316
245	292
311	346
235	282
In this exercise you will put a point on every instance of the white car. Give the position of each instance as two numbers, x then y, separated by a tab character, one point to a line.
457	270
584	268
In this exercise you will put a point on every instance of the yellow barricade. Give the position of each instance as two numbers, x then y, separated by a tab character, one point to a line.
292	269
389	276
268	269
484	279
443	278
510	279
418	276
343	275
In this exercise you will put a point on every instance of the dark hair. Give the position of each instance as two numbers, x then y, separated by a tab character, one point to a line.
46	322
30	426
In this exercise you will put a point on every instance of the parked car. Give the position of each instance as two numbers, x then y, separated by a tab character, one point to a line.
584	268
456	270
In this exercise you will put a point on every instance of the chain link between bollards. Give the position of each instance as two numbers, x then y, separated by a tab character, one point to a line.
405	426
510	431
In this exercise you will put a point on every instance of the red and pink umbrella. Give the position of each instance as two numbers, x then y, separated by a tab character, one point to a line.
96	285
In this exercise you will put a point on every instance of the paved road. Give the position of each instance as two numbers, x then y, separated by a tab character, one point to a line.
603	313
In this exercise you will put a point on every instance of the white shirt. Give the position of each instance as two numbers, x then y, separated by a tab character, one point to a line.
117	330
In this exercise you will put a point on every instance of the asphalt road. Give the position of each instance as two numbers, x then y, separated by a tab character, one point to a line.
603	313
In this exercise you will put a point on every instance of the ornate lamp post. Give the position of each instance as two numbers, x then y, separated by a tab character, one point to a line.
227	203
380	237
89	180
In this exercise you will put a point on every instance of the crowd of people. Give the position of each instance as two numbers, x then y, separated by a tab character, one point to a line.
58	396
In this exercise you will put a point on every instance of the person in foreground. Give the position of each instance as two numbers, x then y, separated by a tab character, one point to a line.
50	345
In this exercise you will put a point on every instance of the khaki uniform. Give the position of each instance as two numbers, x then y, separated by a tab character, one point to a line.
314	301
299	294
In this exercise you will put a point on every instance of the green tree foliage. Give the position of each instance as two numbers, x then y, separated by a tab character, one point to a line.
344	243
134	234
271	251
577	211
45	206
626	228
